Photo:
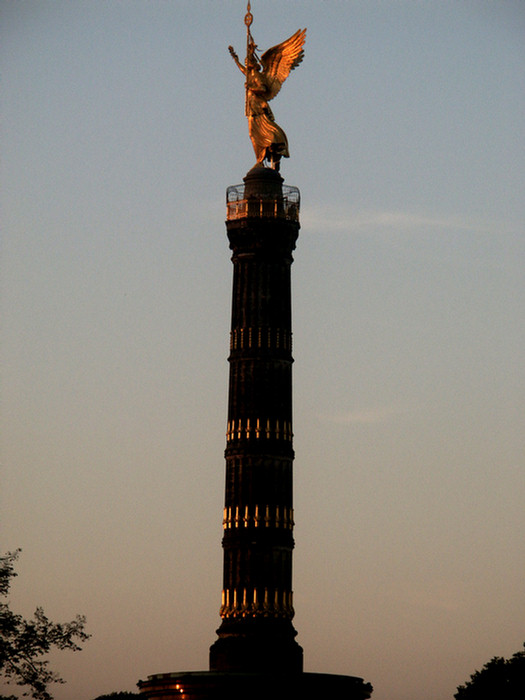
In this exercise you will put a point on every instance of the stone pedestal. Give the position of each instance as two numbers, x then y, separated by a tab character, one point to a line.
253	686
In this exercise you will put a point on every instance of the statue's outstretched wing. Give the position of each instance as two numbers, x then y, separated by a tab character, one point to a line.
278	61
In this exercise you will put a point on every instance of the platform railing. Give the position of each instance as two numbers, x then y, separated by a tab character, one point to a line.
281	207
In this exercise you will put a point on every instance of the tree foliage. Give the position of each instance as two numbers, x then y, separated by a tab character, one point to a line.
499	678
24	642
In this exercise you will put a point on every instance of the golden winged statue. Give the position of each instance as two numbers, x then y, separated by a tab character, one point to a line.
264	77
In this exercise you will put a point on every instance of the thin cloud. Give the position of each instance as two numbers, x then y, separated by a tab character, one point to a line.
406	221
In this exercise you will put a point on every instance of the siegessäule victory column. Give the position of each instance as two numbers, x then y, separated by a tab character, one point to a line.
256	656
262	225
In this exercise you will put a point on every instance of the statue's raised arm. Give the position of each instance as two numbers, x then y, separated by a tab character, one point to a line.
236	59
264	78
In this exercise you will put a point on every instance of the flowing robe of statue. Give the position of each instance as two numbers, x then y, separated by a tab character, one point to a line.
266	135
264	78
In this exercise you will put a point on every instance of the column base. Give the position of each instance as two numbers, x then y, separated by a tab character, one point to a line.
208	685
254	646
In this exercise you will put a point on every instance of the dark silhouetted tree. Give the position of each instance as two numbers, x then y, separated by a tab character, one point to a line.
499	679
24	642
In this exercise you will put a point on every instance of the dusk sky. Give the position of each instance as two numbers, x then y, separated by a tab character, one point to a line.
122	125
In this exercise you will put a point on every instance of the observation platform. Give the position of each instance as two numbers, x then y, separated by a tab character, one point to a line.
263	195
